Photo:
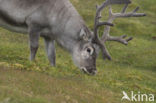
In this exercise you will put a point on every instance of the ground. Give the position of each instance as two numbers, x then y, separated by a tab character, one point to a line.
133	67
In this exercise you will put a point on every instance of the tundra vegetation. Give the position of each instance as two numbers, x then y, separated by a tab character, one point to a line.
133	67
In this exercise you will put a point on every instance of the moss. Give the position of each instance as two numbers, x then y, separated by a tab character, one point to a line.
132	68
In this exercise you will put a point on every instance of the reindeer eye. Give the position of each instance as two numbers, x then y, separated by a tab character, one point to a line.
90	50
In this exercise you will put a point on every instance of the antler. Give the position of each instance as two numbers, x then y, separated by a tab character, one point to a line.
123	14
98	23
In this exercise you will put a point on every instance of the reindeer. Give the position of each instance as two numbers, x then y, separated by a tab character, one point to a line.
58	20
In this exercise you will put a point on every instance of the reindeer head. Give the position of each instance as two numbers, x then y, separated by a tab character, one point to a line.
85	53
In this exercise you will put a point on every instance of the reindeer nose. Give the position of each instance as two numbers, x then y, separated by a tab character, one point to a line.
90	71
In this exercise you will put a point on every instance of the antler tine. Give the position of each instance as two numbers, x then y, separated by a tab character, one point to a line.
135	10
129	14
110	11
125	8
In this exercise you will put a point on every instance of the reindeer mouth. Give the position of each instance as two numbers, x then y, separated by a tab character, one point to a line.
89	71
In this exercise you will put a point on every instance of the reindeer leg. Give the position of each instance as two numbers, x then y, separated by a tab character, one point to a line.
34	41
50	50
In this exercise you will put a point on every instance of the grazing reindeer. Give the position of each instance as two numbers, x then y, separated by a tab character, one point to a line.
58	20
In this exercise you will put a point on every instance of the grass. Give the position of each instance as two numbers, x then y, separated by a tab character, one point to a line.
133	67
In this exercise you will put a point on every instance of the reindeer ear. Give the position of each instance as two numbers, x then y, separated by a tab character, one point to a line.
86	36
82	33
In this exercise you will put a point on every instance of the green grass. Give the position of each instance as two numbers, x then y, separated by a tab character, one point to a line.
133	67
